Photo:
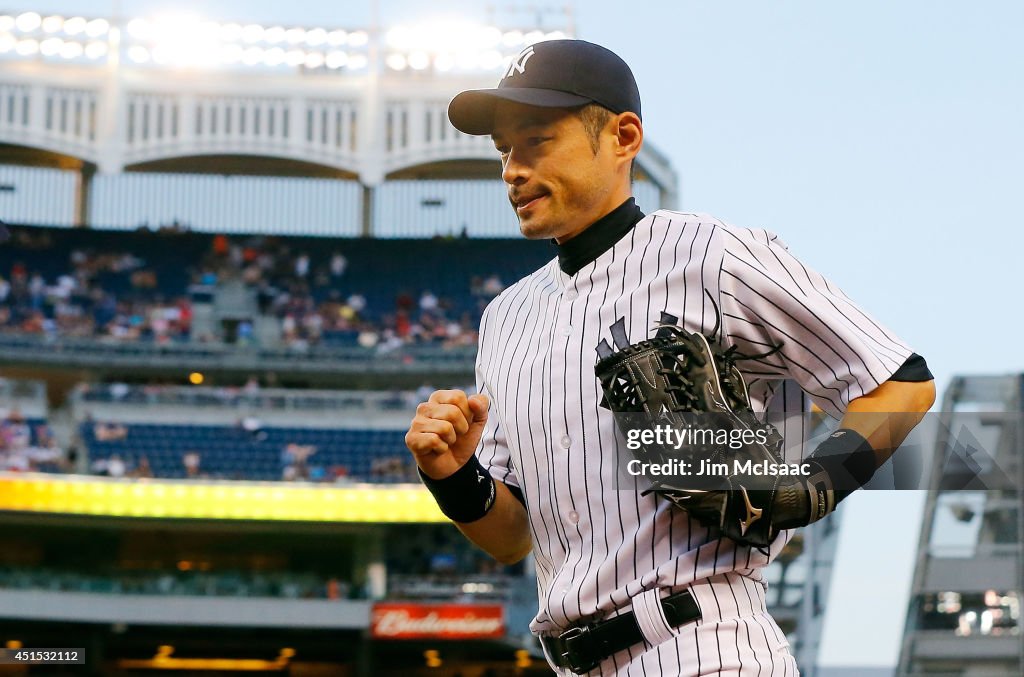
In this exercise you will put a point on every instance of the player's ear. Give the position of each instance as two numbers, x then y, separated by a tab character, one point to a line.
629	135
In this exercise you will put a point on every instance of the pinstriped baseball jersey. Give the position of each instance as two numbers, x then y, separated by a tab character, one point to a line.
596	547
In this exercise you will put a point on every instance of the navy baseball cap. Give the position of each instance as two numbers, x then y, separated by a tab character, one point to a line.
552	74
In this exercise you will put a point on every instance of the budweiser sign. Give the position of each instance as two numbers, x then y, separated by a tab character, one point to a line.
442	621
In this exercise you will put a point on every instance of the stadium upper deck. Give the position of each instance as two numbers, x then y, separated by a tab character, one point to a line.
114	107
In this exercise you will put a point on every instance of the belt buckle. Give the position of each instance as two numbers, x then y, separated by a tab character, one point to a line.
571	639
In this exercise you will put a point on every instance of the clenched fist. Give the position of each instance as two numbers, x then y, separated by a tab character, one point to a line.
445	431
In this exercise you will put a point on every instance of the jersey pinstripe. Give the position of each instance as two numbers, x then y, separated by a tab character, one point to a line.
596	548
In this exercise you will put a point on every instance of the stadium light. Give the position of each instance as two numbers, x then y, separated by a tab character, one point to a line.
229	32
533	37
140	29
138	54
53	24
467	60
399	37
512	38
96	50
97	27
211	31
491	59
74	25
50	46
490	36
230	54
336	59
441	37
274	35
71	49
396	61
316	37
252	56
27	47
252	33
28	22
187	40
273	56
419	60
444	62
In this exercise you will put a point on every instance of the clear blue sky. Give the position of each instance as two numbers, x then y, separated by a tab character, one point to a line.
883	142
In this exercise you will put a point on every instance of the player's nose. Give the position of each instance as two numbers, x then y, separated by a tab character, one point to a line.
514	172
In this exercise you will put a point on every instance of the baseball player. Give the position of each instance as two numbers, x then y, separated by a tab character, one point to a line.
629	584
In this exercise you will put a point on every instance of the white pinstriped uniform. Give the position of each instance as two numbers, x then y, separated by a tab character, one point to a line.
598	549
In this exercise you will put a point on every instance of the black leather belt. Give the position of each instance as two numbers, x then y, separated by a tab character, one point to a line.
582	648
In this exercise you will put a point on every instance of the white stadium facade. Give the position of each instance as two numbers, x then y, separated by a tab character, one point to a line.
249	128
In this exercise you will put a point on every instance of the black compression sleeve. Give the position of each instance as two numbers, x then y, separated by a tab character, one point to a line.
914	370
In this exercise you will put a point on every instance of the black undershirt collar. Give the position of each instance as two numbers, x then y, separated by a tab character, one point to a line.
598	237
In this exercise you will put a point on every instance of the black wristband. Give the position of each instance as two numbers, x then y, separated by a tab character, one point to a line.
466	495
845	461
839	466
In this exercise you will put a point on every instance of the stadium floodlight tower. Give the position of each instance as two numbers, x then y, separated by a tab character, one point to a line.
964	612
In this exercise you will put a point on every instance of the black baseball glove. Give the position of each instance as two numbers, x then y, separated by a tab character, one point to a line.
689	382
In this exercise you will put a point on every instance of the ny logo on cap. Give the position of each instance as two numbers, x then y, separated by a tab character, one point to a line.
519	63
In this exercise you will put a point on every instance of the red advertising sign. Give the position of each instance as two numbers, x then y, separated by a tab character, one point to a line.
437	621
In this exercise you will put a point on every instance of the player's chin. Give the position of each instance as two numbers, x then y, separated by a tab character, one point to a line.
534	228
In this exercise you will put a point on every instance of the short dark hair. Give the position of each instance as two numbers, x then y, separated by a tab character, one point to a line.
594	117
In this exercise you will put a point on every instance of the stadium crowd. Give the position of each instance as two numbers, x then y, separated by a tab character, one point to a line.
122	296
29	446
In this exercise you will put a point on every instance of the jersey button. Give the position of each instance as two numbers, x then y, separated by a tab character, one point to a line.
573	517
566	441
566	331
571	295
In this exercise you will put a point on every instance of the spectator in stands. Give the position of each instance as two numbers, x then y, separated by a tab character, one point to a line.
338	265
302	265
293	286
191	460
357	302
252	427
116	466
428	302
339	474
220	245
142	469
493	285
109	432
391	469
15	432
252	386
368	338
294	458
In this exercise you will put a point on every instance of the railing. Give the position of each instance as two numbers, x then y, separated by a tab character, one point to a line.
20	389
478	587
17	348
289	585
263	399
